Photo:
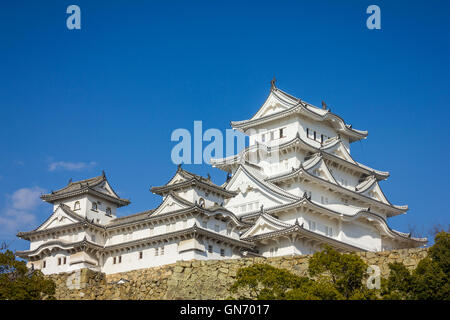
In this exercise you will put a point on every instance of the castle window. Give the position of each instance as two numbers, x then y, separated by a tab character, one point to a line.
282	133
315	134
156	252
162	250
140	255
321	138
201	202
222	252
210	248
76	206
64	260
44	264
94	206
312	225
59	261
108	211
329	231
120	259
114	260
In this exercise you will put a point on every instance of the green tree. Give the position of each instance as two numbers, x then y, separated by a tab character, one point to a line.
345	271
430	280
17	282
335	276
264	282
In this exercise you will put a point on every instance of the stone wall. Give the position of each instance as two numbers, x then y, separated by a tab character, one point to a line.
196	279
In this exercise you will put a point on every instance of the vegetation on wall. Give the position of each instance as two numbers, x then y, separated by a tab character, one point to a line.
17	282
338	276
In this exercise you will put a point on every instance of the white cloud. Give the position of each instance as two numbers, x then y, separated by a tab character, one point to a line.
71	166
26	198
20	210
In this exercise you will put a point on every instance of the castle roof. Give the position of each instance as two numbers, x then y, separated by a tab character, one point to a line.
325	149
288	106
185	179
97	186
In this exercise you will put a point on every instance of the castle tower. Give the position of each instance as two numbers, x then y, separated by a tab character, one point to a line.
301	188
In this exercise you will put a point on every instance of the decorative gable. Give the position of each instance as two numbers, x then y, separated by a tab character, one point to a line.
252	193
170	204
59	218
265	224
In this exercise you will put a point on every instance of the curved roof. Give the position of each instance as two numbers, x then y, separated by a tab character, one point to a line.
348	213
348	161
303	171
97	186
189	179
294	105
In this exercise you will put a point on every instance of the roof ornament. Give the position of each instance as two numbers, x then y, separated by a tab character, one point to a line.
305	195
228	176
208	176
179	166
262	209
272	83
103	174
324	105
70	181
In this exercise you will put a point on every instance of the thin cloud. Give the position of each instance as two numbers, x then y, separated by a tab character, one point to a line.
20	210
71	166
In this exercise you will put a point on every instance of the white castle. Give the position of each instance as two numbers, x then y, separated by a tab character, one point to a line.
293	191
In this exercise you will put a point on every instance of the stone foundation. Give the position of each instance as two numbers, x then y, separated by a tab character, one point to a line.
194	279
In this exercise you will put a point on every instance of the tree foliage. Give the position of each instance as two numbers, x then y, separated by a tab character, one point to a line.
338	276
17	282
333	276
430	280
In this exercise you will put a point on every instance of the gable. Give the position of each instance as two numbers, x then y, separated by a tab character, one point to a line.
272	105
376	193
265	224
321	170
340	151
177	178
57	219
105	188
252	193
170	204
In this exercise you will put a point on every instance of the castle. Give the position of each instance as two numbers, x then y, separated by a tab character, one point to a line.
295	189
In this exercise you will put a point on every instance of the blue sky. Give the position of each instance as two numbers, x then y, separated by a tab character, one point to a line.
108	96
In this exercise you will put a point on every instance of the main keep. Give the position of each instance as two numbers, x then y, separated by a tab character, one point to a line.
295	189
